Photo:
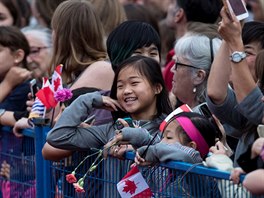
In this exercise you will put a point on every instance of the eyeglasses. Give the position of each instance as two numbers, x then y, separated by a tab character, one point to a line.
36	50
185	65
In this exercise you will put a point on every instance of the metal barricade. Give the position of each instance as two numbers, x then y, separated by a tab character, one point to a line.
17	159
172	179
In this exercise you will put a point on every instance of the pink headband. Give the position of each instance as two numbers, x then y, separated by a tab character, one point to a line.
194	134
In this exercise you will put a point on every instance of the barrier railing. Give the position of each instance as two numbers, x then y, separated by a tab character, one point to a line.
32	176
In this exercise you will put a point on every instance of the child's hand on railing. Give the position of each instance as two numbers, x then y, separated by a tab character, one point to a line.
118	151
235	174
141	161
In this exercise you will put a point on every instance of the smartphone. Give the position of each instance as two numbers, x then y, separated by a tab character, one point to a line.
119	125
33	88
203	110
260	130
238	8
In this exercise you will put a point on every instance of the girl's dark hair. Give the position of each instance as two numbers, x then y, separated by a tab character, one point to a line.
150	69
129	36
253	32
12	38
205	127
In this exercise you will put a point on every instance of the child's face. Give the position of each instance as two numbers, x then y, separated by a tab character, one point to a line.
170	134
151	52
135	94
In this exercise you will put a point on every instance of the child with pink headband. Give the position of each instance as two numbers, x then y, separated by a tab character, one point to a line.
187	137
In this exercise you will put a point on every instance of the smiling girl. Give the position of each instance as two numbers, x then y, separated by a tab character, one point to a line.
138	89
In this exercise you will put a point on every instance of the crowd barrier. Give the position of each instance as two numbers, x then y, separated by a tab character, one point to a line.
32	176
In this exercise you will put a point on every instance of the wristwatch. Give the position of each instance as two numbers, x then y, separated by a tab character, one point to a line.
237	57
2	111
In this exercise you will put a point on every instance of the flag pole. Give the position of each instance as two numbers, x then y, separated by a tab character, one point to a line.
52	117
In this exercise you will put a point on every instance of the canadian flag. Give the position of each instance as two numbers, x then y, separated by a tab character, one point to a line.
46	95
183	108
56	78
134	185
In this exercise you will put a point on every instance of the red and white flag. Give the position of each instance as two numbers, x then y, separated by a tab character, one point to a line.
134	185
56	78
183	108
46	95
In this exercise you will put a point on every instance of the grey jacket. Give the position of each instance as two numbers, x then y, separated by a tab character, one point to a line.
240	115
67	135
162	152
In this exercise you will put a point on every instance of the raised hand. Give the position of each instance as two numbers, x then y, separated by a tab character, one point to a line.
110	104
17	75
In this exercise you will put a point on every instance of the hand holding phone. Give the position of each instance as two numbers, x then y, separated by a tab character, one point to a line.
128	120
237	7
227	9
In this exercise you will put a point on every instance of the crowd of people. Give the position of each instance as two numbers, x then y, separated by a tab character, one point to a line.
143	60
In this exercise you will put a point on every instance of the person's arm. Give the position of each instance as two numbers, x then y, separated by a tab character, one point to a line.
248	95
14	77
8	119
230	30
164	152
51	153
254	182
219	75
67	134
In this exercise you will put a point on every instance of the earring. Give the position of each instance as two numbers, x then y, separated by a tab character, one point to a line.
194	90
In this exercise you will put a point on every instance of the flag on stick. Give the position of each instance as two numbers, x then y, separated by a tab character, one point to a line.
134	185
46	95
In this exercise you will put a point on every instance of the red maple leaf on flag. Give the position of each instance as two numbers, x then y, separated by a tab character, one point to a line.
130	187
56	84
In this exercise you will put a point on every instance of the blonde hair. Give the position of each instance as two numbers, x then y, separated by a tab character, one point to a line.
78	38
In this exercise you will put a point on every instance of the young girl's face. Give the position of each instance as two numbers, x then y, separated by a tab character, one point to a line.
135	94
171	133
151	52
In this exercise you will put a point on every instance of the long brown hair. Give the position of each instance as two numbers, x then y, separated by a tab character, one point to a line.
78	38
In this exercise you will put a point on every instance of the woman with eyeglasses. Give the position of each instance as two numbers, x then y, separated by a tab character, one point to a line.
40	42
193	59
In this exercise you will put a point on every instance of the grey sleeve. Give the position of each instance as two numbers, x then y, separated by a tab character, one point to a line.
228	112
150	155
138	136
165	152
67	135
252	107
